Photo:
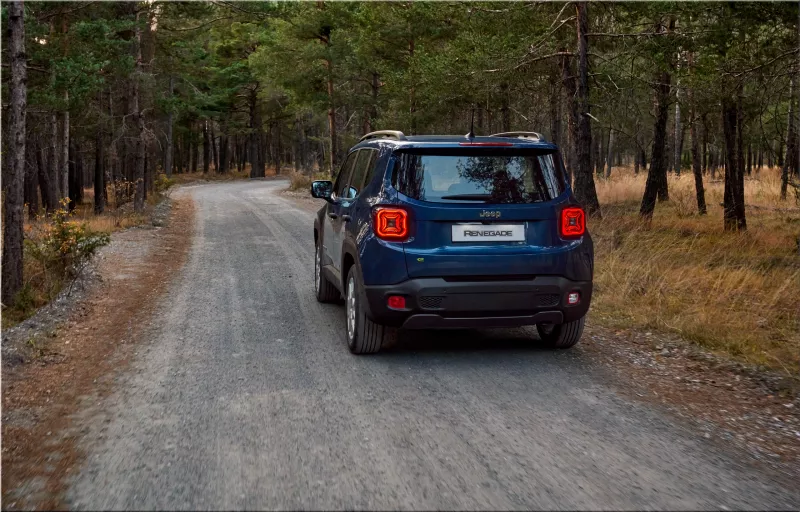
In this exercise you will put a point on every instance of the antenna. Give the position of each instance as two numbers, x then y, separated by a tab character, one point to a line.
471	134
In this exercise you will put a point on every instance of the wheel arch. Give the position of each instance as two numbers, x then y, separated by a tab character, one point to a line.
349	260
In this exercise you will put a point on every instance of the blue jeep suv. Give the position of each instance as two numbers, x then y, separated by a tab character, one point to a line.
427	232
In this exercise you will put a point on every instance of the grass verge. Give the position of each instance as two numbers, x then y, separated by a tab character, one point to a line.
731	292
58	247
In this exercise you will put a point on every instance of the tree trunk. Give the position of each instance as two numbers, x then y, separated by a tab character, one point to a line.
740	136
268	143
109	163
54	155
99	173
278	150
14	196
705	145
148	175
678	135
191	156
505	112
214	152
597	150
169	146
713	164
178	152
31	194
223	154
570	87
697	167
760	158
72	181
610	156
138	117
256	155
206	148
64	174
584	187
555	111
49	198
585	191
749	159
65	128
791	139
733	206
412	92
195	153
372	117
656	185
331	121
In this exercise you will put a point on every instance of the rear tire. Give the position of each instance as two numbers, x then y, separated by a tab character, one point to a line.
325	291
561	335
363	335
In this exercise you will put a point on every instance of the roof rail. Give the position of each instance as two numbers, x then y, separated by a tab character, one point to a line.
384	134
519	135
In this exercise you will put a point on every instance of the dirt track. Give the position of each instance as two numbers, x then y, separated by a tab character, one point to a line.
240	393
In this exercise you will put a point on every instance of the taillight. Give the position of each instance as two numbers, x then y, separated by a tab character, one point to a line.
396	302
573	222
390	223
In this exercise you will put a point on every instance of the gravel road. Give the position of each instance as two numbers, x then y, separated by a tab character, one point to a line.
244	395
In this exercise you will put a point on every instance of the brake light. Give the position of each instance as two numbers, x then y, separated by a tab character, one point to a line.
573	222
485	144
391	224
396	302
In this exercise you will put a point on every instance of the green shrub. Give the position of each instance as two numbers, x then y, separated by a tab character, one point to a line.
63	246
163	183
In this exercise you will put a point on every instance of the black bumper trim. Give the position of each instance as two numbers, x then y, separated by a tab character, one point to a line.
428	321
432	302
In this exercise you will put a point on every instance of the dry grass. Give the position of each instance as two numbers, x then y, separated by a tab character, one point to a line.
194	177
41	284
732	292
302	181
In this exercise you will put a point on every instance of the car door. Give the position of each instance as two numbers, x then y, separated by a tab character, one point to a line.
349	203
333	222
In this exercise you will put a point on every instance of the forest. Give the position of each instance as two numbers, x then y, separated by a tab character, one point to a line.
686	107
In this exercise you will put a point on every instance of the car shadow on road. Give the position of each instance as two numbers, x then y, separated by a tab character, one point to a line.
467	340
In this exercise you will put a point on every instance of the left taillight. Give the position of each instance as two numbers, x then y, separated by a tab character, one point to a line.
573	222
390	223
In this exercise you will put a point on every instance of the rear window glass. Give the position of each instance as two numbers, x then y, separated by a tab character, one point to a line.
499	177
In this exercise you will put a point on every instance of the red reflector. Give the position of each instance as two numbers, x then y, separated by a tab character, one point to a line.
573	222
485	144
391	224
396	302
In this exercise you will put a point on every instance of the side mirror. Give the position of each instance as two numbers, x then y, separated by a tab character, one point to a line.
322	190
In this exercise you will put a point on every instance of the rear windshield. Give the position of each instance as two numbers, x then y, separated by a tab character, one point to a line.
496	176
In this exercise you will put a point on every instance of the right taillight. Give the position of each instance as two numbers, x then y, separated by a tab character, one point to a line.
573	222
391	223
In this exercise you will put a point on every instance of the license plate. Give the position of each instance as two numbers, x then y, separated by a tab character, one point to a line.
488	233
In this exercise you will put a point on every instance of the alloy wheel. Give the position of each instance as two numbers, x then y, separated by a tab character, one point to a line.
351	310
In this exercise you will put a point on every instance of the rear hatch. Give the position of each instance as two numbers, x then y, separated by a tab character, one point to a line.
482	212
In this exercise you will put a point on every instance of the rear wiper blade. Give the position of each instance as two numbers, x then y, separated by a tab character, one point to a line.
469	197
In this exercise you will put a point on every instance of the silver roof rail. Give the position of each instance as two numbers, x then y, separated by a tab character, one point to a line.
384	134
519	135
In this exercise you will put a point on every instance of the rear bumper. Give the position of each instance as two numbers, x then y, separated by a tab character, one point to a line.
433	303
